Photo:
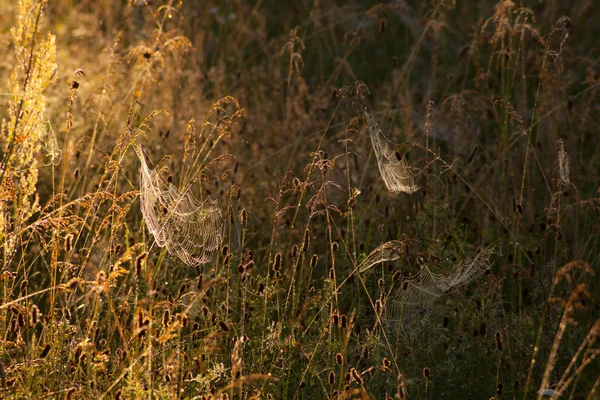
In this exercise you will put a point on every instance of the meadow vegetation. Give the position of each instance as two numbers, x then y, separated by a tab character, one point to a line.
309	199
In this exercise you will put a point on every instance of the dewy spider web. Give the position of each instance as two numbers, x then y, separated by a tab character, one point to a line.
51	147
563	163
392	165
412	303
190	228
389	251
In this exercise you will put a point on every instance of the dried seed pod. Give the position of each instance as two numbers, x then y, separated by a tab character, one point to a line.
69	242
517	385
45	352
101	278
34	315
140	261
182	289
294	251
277	262
499	344
223	326
331	378
378	306
365	354
426	372
335	318
305	241
356	376
500	388
244	218
339	359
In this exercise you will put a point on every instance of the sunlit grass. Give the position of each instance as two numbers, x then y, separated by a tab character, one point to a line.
404	199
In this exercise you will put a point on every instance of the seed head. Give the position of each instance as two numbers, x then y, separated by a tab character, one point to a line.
166	317
35	313
182	289
69	242
244	218
305	241
356	376
140	261
294	251
378	306
499	344
223	326
500	388
277	262
336	319
45	352
331	378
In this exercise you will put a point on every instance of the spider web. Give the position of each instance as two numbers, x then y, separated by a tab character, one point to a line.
191	229
389	251
410	307
564	163
392	165
50	146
